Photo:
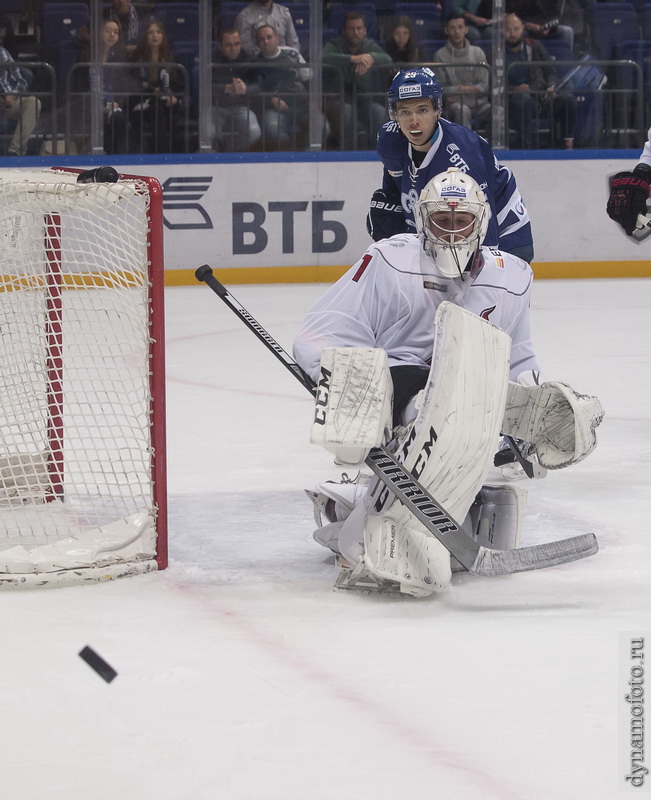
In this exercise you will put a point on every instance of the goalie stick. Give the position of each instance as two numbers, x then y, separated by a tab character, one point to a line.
530	469
474	557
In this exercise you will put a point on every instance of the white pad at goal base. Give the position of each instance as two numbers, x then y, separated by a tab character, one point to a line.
121	541
449	448
559	422
353	402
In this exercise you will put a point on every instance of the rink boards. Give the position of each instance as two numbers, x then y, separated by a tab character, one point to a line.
300	217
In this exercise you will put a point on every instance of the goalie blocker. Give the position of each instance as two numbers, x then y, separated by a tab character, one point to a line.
353	402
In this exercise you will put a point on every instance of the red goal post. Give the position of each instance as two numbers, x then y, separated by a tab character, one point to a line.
82	378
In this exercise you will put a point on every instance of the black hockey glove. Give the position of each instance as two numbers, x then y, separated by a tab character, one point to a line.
384	218
628	195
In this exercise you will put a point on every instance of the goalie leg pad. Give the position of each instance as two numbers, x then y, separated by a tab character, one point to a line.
495	518
450	444
403	552
449	448
559	422
353	402
394	551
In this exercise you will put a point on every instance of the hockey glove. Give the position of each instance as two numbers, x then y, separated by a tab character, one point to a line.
384	218
628	195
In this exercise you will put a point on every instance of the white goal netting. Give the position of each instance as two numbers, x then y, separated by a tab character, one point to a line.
76	447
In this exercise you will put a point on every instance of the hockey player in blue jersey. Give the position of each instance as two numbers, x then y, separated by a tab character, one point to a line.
417	144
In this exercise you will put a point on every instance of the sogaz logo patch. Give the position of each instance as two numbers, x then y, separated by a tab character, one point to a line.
453	191
410	91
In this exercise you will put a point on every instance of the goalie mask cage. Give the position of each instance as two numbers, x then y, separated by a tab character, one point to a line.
82	437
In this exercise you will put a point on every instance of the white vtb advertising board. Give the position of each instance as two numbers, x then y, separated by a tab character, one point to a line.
313	213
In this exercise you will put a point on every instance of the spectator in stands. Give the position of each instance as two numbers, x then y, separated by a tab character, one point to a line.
284	101
7	36
401	43
154	114
575	16
279	17
542	19
465	83
236	126
354	56
114	86
532	92
473	13
130	20
17	109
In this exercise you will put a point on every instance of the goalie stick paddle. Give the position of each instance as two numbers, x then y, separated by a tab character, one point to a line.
474	557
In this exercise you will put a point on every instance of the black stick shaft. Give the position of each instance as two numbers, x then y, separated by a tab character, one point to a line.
527	466
206	275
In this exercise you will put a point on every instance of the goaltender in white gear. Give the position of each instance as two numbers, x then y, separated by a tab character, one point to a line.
424	345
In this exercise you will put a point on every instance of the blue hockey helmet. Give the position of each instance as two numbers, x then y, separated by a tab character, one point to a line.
410	84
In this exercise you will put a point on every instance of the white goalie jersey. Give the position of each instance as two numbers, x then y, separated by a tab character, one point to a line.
383	301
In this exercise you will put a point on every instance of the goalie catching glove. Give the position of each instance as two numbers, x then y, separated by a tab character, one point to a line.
559	423
629	192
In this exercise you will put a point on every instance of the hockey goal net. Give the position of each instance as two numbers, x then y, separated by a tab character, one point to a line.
82	438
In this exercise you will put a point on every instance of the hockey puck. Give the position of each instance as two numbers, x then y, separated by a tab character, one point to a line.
96	662
98	175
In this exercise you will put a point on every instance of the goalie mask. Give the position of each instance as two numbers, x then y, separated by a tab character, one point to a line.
452	215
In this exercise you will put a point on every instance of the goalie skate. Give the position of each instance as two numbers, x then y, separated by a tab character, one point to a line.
360	579
334	500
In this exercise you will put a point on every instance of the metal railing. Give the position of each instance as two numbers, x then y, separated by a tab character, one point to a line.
134	119
274	113
581	112
611	116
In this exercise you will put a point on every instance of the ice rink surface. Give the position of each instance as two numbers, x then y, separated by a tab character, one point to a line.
243	676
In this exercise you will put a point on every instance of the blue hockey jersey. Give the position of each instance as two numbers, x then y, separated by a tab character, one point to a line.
455	146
